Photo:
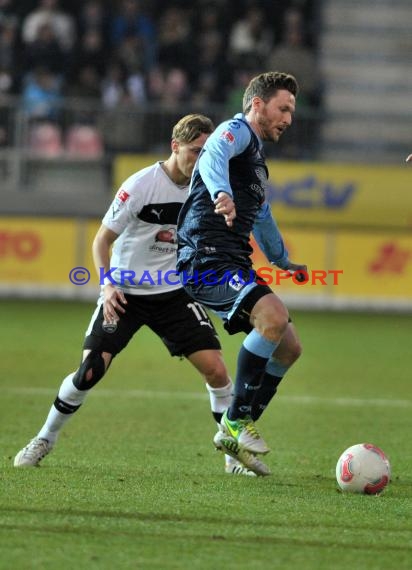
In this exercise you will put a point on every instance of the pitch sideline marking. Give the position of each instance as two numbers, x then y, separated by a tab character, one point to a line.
160	394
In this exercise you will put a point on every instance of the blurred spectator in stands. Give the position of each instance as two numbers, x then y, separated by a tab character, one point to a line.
155	84
113	88
293	56
92	51
7	9
129	20
93	16
49	12
83	94
136	87
174	40
42	95
7	83
86	84
9	69
130	54
168	87
211	73
8	44
45	51
251	39
120	89
240	80
176	89
7	89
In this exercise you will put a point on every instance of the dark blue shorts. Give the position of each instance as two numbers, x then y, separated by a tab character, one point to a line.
228	291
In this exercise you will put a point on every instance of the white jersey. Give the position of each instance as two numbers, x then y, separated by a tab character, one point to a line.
144	214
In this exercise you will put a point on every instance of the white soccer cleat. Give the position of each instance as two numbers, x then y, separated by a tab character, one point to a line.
230	446
33	453
236	468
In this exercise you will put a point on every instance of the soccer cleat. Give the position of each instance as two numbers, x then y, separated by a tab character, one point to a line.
245	433
230	446
33	453
236	468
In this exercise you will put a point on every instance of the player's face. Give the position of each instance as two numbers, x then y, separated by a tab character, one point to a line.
275	116
188	153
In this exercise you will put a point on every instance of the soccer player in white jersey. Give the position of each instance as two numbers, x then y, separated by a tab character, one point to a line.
144	290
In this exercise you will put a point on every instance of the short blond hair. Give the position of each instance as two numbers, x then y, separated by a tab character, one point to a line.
190	127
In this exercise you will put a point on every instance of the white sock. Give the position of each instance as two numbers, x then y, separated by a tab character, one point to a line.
56	420
220	400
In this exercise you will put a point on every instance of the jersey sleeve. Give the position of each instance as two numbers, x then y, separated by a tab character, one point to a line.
127	204
228	140
268	237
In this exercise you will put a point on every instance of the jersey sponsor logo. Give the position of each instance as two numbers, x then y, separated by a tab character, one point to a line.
227	136
234	124
168	236
122	195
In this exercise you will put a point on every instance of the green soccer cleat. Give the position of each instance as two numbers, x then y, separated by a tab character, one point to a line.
245	433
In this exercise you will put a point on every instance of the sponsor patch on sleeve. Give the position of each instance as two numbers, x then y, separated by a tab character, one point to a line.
122	195
228	136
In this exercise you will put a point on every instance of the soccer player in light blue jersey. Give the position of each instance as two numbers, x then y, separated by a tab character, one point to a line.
226	203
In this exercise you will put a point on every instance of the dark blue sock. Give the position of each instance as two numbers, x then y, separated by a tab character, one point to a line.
250	369
251	364
268	388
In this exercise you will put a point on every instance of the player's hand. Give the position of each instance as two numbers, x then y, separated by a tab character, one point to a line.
112	303
225	206
300	271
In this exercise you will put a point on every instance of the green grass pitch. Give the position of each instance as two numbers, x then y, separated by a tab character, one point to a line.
134	481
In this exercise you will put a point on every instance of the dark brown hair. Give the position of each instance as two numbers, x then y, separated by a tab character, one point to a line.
266	85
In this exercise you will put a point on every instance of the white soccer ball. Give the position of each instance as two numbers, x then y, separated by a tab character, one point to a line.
363	468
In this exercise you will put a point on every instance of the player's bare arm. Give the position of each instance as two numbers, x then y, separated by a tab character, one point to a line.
409	158
225	206
114	298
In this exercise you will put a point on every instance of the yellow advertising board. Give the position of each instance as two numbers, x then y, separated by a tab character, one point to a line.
342	264
91	229
324	195
373	265
377	265
37	250
127	164
344	195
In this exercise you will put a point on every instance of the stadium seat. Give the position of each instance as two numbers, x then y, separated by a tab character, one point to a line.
84	141
45	139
